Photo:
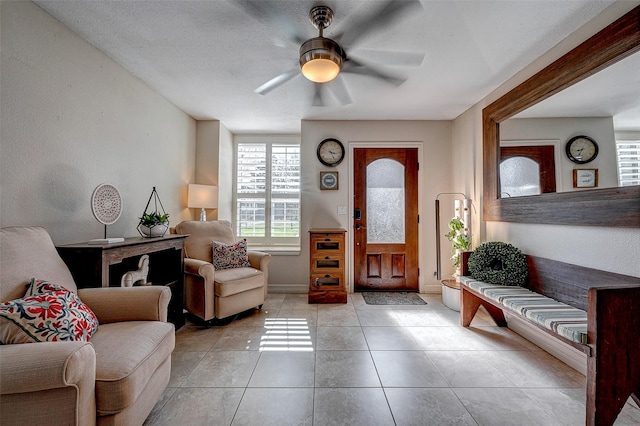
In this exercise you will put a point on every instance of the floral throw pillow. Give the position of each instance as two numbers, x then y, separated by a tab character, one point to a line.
51	315
227	256
41	286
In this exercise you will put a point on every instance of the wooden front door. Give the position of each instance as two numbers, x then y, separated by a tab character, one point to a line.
385	219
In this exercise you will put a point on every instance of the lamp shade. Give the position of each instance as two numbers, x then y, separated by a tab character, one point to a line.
202	196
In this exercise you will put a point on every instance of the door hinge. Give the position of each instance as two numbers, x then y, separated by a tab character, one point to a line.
418	165
418	218
418	271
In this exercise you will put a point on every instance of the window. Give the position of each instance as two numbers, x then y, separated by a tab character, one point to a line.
267	191
628	153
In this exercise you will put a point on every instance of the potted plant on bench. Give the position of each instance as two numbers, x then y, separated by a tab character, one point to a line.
460	242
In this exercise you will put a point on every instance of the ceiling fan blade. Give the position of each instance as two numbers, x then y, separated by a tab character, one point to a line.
384	16
263	10
391	58
354	66
340	91
277	81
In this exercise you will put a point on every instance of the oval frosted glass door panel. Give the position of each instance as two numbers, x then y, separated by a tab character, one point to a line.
385	224
385	202
519	176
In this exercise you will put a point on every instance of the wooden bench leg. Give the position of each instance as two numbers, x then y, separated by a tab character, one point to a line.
469	304
613	371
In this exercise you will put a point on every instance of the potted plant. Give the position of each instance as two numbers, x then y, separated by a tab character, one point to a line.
460	241
154	224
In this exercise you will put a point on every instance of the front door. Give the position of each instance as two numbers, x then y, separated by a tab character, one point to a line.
385	219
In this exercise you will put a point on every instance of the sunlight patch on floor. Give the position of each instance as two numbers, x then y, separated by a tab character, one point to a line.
286	335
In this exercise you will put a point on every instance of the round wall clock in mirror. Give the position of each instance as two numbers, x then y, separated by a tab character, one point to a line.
581	149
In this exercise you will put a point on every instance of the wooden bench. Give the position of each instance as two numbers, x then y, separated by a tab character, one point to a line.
612	304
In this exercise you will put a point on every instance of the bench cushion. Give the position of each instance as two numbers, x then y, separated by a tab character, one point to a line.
558	317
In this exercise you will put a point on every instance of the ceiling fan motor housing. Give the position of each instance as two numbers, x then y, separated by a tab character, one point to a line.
321	16
321	59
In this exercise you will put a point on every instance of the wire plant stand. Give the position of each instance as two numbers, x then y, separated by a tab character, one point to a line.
160	227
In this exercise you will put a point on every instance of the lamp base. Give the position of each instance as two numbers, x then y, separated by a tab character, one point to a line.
203	215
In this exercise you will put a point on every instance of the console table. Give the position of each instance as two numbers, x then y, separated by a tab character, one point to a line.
103	265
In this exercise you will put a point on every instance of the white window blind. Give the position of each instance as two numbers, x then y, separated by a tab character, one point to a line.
267	196
628	153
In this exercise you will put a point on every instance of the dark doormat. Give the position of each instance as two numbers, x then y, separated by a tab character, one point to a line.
392	298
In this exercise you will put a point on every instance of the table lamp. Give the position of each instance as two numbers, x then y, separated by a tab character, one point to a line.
202	197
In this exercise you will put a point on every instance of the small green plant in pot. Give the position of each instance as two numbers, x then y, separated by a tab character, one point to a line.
154	218
154	224
459	239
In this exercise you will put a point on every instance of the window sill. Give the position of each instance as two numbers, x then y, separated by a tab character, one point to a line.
277	250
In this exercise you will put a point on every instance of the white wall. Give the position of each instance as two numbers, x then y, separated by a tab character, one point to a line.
214	165
207	164
71	119
225	174
609	249
319	208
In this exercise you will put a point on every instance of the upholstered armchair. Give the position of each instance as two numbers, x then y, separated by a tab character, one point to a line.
115	378
216	293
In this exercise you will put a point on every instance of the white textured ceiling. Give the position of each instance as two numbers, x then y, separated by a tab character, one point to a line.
208	57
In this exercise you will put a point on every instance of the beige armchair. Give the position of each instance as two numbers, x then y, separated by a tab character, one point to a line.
211	293
116	378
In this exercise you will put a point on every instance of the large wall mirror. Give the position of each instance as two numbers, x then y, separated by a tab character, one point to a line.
590	91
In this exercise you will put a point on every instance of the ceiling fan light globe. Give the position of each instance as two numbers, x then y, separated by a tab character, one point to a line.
320	70
321	59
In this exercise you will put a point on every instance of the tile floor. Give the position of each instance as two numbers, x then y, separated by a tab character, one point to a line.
356	364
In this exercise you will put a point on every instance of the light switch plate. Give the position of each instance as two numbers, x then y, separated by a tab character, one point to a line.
342	210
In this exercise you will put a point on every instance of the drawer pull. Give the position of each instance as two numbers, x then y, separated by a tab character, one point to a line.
327	281
330	245
322	263
327	257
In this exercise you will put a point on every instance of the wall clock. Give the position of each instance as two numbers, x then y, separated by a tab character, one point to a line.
581	149
328	180
330	152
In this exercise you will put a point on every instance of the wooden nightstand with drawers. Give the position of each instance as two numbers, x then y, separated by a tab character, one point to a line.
327	272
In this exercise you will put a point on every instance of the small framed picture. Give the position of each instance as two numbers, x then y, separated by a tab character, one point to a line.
585	178
329	180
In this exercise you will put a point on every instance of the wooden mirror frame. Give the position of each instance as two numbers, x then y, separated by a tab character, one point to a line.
615	207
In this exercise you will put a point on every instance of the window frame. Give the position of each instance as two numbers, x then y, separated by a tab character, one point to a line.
625	138
266	243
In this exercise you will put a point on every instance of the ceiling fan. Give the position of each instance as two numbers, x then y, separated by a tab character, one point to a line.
322	60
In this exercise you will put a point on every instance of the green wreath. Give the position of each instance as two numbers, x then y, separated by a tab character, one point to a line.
498	263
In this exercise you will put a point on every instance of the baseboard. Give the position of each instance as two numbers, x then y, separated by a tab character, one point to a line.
303	288
432	288
565	353
288	288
